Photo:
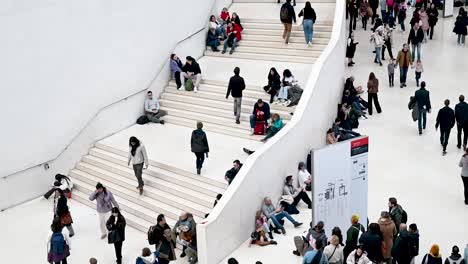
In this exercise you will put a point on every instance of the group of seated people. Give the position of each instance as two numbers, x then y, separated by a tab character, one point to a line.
287	89
270	218
184	233
187	76
261	122
352	107
225	28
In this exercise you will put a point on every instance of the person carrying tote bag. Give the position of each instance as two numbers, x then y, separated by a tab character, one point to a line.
116	226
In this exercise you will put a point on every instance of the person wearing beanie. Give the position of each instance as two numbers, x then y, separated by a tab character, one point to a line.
433	257
455	257
105	202
352	235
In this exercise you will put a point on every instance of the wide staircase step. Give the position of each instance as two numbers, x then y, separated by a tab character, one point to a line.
275	1
267	57
318	27
293	39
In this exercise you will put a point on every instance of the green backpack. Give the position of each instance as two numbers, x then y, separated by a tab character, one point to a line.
189	85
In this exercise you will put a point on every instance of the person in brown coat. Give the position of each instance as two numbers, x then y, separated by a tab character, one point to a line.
389	231
372	90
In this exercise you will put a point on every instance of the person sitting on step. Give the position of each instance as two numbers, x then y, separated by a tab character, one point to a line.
274	127
219	28
176	70
231	174
224	17
260	114
277	214
274	83
212	40
152	109
234	36
192	72
297	194
287	82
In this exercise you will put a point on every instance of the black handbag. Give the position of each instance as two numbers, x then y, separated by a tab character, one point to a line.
114	237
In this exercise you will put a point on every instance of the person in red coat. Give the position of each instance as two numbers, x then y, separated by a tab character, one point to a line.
233	32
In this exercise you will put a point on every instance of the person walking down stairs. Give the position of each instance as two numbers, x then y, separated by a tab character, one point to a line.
235	87
308	23
139	158
199	146
287	16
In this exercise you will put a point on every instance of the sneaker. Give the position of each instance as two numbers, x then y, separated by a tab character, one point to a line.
283	231
459	146
161	122
141	191
198	171
444	153
195	89
222	52
183	255
297	224
231	52
237	122
182	88
295	252
276	231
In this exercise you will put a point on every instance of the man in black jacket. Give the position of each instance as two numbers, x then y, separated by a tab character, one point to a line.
461	115
231	174
260	108
415	38
421	96
191	70
287	16
235	88
446	120
158	230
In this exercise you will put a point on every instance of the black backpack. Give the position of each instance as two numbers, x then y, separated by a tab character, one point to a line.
151	237
404	216
284	14
142	120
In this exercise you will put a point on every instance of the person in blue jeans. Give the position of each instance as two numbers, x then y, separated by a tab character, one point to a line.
277	214
421	97
308	23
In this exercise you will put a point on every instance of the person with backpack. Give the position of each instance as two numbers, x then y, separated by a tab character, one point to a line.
461	116
62	212
308	23
316	256
156	232
397	213
104	203
152	109
446	121
116	226
61	182
58	244
433	257
199	146
287	16
138	156
455	257
235	87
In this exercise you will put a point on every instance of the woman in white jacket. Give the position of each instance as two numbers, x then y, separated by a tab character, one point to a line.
147	257
139	158
358	256
377	39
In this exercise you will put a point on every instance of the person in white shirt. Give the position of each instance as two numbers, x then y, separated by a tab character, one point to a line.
304	179
219	29
287	83
152	109
334	251
138	156
61	182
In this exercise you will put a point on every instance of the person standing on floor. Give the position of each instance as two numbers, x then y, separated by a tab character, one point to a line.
418	70
378	41
308	23
433	257
461	116
404	62
433	14
364	9
152	109
388	39
421	96
353	14
139	158
391	72
351	49
166	247
116	226
61	182
389	232
383	11
455	257
235	87
446	120
156	235
464	174
374	4
352	235
401	14
58	244
287	16
61	210
105	202
460	26
199	146
294	2
415	38
372	90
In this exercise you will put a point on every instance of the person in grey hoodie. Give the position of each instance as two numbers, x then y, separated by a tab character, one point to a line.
199	146
302	243
105	202
455	257
464	173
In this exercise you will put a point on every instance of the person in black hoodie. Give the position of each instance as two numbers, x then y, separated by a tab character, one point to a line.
235	88
199	146
461	116
231	174
274	83
372	243
116	226
158	230
260	110
415	38
421	96
446	120
191	70
287	16
402	250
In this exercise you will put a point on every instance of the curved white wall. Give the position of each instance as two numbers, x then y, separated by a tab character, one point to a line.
64	60
232	220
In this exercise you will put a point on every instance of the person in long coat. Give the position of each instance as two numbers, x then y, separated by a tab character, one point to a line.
389	231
